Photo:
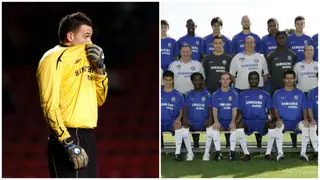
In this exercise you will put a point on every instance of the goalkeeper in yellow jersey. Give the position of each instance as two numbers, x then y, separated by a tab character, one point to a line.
72	83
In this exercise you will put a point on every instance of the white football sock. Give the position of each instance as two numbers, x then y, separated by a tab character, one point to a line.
233	140
279	139
271	136
304	138
216	139
314	138
178	140
186	138
209	137
242	140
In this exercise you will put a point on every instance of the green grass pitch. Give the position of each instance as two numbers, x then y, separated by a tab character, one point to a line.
257	167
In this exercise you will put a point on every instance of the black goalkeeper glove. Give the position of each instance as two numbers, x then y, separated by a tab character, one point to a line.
77	155
95	55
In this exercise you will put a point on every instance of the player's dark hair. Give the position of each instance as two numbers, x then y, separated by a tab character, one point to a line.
272	20
253	73
298	18
218	37
289	71
216	20
164	23
281	33
72	22
186	45
226	73
189	20
167	73
193	75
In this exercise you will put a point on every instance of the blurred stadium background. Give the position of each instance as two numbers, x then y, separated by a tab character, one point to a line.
127	132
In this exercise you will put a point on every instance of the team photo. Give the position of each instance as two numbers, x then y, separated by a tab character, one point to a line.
238	91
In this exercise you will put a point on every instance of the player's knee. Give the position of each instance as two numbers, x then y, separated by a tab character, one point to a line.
185	133
302	128
272	133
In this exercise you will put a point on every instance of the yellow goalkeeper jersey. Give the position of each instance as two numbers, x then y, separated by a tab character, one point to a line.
70	90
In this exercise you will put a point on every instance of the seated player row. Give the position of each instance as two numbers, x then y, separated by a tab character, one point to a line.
251	110
201	47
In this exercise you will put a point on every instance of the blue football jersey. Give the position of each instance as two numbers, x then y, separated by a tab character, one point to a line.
207	45
297	44
168	52
312	102
224	102
315	40
198	103
254	104
194	42
171	105
268	44
289	104
238	42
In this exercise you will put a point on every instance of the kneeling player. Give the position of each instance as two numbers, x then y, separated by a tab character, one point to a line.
197	113
291	113
312	105
171	111
224	105
254	105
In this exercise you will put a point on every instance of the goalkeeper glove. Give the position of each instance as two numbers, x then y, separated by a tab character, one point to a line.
95	55
77	155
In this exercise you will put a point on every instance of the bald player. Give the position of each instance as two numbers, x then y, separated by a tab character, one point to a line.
238	39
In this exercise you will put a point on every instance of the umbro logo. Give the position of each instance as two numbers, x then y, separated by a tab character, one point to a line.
77	61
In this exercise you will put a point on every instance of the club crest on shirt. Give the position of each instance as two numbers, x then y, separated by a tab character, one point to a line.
260	96
256	60
230	98
203	98
193	68
315	68
289	58
282	97
276	59
242	59
178	66
302	67
173	99
197	43
305	42
295	97
224	62
169	44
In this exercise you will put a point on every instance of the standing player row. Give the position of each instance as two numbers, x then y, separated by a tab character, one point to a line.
201	47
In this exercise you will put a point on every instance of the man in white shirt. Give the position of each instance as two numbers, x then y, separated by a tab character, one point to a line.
183	69
245	62
306	71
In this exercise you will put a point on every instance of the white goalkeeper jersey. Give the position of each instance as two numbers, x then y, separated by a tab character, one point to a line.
306	75
182	72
